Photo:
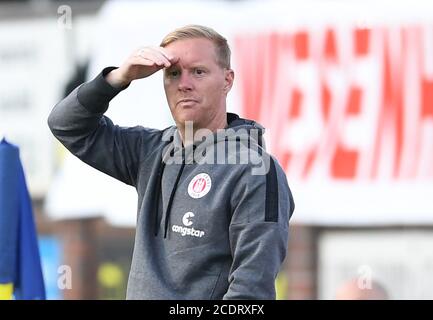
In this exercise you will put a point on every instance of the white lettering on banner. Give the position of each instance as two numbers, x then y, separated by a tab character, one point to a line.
343	103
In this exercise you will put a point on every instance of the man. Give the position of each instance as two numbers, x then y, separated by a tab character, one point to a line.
213	206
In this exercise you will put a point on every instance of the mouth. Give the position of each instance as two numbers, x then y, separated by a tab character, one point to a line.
186	101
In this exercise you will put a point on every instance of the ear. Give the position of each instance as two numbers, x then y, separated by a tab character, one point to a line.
229	77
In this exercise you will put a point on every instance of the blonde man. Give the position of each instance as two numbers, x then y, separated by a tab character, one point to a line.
212	224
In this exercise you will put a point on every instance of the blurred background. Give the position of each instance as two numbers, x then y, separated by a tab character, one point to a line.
344	88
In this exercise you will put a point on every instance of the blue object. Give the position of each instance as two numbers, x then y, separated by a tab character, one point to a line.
20	262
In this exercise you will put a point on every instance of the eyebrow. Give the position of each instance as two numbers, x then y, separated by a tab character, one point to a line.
199	66
192	66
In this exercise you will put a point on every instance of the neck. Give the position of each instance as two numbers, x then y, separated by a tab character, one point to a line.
190	132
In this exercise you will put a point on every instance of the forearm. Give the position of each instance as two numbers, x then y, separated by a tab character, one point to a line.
78	123
82	109
259	250
117	79
259	229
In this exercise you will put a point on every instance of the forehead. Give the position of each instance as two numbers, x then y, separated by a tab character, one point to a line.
194	50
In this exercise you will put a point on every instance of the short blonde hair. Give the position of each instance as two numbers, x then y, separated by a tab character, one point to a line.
198	31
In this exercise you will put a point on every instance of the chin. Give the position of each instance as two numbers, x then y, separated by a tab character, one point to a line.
185	116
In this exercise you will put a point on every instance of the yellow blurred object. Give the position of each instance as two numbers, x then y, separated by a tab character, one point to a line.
281	286
110	275
6	291
61	153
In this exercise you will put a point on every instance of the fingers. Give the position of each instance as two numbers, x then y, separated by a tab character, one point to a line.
148	56
145	61
168	55
155	56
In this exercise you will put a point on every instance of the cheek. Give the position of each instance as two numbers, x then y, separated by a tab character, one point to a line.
213	87
214	92
169	91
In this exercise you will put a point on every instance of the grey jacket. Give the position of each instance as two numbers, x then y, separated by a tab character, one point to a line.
210	225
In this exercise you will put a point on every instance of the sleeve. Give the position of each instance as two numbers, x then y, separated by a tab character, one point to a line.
262	206
79	124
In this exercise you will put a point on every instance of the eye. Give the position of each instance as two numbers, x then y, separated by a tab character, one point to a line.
199	72
173	73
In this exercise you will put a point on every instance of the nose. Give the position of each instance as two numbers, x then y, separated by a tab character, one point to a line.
185	82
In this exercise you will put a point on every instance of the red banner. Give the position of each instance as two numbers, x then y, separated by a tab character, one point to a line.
341	103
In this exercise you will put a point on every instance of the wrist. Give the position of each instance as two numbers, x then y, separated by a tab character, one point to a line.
116	79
